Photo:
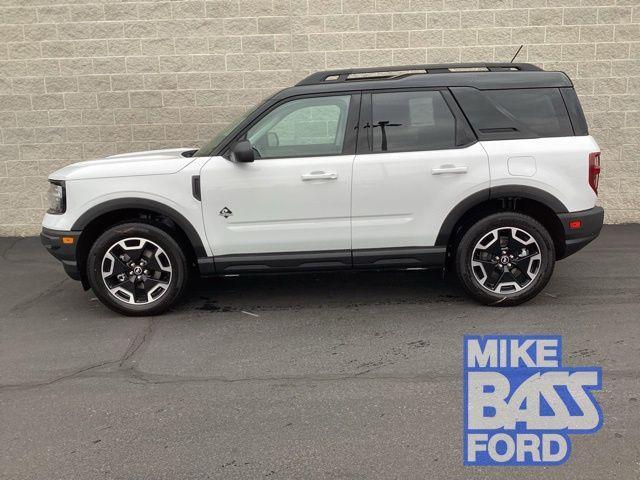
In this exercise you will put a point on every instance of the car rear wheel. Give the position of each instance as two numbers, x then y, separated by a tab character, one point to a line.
137	269
505	259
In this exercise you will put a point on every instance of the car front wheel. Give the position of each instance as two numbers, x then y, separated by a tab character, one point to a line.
137	269
505	259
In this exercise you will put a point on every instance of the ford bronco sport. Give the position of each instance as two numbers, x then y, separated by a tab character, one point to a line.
487	169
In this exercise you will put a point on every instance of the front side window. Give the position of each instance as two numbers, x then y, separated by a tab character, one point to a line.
411	121
305	127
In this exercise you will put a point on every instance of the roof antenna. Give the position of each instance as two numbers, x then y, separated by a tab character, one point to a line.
514	57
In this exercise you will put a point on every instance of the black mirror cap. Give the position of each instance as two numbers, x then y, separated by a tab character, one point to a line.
243	152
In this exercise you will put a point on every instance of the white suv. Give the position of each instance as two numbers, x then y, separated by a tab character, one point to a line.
487	169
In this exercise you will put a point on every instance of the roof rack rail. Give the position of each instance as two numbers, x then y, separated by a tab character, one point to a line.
335	76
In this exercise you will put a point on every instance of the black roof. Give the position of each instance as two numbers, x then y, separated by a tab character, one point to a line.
484	76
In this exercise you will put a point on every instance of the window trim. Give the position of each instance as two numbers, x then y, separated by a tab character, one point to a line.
574	109
351	126
365	141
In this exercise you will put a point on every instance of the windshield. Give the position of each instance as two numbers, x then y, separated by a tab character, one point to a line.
212	144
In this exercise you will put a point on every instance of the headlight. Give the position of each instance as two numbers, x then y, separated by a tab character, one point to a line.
56	198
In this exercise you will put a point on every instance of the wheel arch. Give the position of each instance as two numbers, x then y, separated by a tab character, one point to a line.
93	222
532	201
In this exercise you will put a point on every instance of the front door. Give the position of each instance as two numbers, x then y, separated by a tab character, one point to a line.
290	208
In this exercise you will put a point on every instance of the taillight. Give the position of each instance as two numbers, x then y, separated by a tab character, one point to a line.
594	170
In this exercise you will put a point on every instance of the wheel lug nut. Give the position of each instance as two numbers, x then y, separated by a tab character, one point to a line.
146	272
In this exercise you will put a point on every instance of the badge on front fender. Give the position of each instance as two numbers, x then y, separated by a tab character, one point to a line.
521	404
225	212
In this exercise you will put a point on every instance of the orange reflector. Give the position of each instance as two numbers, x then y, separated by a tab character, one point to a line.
68	240
573	224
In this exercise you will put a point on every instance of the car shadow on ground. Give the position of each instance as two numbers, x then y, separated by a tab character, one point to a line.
320	290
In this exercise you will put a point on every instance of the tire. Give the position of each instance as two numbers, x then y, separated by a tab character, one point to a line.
148	286
499	276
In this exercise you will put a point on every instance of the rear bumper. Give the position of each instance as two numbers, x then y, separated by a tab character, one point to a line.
65	252
577	238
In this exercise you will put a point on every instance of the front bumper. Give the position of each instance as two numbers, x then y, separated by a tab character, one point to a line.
63	246
576	238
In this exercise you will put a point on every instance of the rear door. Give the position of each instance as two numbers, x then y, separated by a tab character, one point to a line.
417	160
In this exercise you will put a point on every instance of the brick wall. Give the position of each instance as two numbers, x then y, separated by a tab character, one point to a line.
81	79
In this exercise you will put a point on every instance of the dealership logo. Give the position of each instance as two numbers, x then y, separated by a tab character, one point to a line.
521	404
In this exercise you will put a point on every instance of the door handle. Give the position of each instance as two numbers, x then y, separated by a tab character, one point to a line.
449	169
319	176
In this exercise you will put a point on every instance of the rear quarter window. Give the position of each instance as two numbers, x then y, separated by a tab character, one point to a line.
541	109
515	113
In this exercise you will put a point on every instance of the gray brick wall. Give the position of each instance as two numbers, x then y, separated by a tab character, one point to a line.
85	79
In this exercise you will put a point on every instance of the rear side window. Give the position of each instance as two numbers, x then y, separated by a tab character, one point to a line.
514	113
542	110
411	121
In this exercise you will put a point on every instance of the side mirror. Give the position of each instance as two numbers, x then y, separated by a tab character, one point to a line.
242	152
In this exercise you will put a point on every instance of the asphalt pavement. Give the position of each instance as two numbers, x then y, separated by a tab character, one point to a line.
334	375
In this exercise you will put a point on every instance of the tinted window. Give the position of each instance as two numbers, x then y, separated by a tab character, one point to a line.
302	128
578	122
411	121
542	110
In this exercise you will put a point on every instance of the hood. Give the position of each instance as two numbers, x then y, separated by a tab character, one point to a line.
153	162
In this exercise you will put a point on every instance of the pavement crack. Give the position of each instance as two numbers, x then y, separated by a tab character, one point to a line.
124	364
138	344
134	376
137	377
76	373
147	378
53	289
9	247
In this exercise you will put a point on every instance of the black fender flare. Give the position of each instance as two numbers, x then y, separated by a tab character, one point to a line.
145	204
505	191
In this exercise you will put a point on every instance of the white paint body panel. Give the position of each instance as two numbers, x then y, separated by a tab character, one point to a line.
399	202
170	189
562	167
522	166
153	162
377	200
274	209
